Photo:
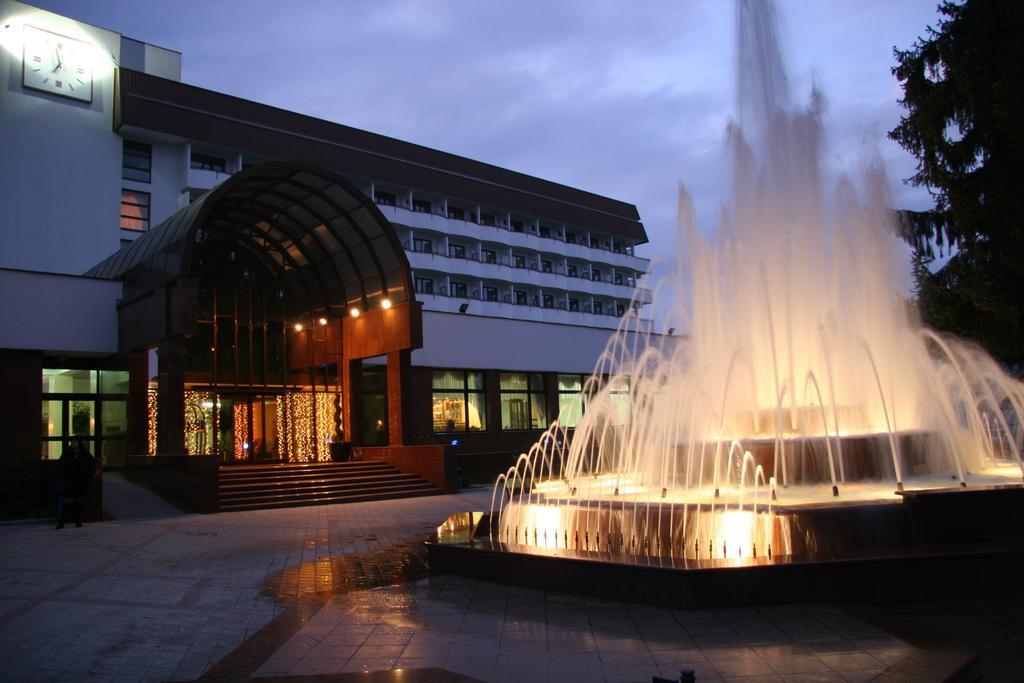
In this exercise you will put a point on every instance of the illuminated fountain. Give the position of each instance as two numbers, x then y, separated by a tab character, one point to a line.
805	382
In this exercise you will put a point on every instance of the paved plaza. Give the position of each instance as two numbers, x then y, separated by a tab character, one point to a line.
321	591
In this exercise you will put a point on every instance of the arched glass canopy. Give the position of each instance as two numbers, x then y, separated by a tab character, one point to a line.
323	242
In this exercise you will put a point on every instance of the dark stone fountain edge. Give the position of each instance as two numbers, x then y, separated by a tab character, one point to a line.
983	558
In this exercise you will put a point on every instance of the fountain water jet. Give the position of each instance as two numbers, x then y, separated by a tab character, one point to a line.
789	288
792	286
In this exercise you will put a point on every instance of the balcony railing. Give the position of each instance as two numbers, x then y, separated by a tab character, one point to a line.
502	260
508	299
470	217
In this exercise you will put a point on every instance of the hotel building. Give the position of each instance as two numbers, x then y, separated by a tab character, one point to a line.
187	272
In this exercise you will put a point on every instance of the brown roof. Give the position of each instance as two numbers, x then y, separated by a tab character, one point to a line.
175	108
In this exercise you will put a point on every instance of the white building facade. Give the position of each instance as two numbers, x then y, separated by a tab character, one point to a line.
521	280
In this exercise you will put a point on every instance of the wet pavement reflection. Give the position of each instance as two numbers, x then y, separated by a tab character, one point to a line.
401	561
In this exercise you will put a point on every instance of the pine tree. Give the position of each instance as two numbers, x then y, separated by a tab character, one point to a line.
964	122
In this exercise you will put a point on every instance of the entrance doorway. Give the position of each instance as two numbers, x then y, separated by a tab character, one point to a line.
285	426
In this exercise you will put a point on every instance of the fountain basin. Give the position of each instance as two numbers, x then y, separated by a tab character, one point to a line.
922	545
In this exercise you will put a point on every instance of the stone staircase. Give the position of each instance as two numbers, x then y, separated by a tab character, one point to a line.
255	487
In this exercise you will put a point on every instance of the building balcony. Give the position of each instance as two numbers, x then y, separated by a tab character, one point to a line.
499	309
420	220
555	280
201	179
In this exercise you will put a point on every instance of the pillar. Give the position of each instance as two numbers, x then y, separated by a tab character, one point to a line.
138	402
551	396
399	393
171	397
352	400
21	404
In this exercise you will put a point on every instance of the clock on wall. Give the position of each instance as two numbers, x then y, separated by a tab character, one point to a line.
57	64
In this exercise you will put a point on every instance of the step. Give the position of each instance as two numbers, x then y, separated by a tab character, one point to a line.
308	476
300	467
329	489
282	487
333	495
357	498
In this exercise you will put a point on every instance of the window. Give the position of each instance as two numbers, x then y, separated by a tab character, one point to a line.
421	245
136	161
619	390
545	231
520	297
518	261
490	293
456	251
574	305
486	219
86	403
384	198
620	310
549	301
204	162
618	278
598	307
459	401
617	247
424	285
545	266
456	213
134	210
570	400
459	290
595	274
517	226
571	270
570	237
489	256
421	206
522	401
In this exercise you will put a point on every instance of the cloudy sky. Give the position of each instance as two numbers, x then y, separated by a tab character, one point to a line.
625	99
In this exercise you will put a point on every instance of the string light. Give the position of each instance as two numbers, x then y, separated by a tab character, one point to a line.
151	419
198	416
385	303
240	449
354	312
298	327
322	321
295	425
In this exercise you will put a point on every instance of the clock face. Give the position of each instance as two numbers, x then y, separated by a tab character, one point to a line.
57	64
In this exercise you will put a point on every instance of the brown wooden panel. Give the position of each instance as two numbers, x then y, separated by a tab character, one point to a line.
378	332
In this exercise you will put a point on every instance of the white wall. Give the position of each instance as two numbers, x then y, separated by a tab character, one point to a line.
477	342
58	313
60	165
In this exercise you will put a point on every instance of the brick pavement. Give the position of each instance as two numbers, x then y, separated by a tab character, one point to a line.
165	598
345	588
